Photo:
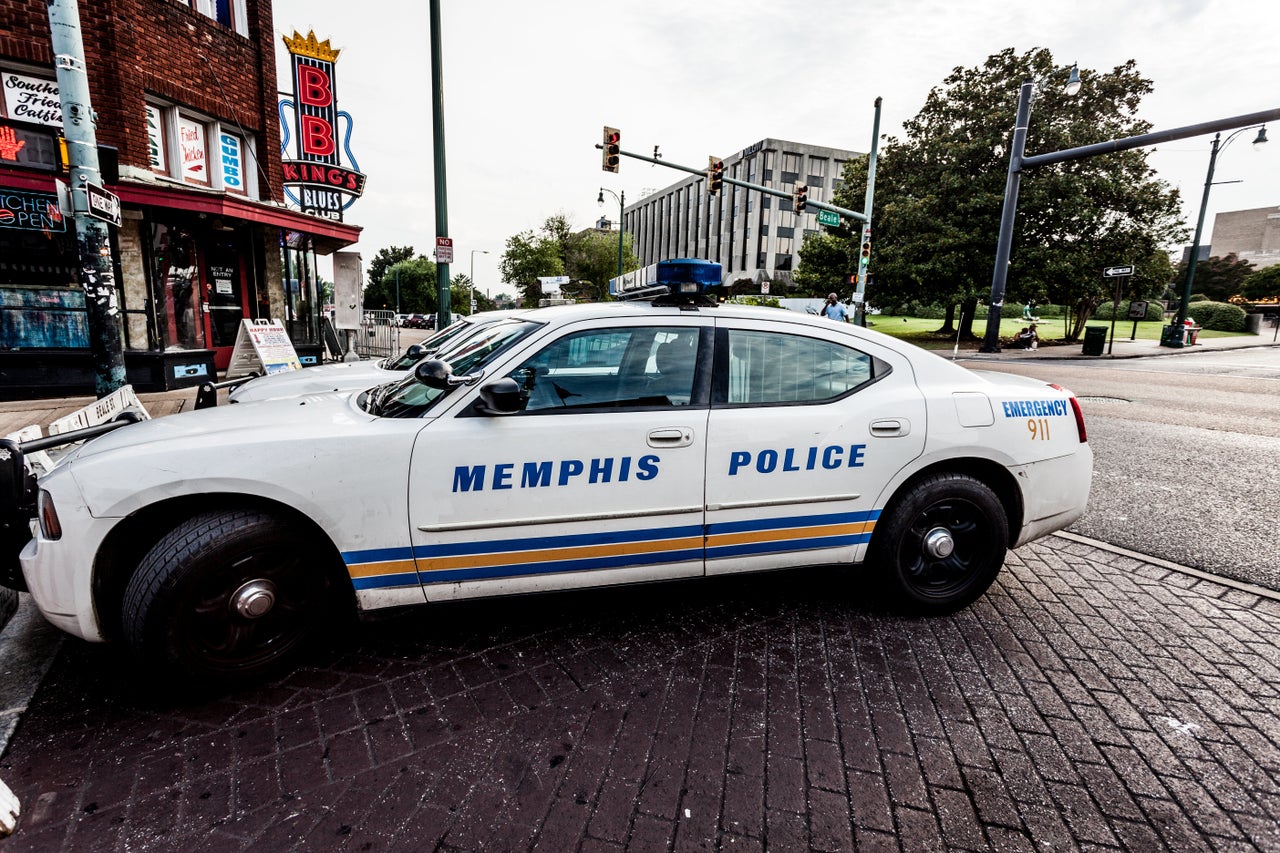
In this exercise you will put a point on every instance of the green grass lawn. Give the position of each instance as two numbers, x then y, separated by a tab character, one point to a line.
1052	331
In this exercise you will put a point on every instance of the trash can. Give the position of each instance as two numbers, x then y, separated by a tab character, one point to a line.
1095	338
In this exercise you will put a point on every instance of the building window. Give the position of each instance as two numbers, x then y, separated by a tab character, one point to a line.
200	151
230	13
817	171
157	139
231	162
30	97
790	168
193	151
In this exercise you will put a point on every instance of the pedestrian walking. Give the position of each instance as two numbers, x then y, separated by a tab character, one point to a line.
835	309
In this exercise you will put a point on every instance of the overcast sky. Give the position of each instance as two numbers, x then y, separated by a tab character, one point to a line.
528	86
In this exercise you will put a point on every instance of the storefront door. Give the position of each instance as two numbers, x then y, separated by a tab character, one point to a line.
224	295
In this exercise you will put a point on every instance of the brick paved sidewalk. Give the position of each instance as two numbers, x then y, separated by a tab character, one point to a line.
1091	700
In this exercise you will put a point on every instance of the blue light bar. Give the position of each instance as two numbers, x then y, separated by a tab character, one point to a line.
684	275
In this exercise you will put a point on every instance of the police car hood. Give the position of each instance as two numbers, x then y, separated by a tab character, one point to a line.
314	380
289	419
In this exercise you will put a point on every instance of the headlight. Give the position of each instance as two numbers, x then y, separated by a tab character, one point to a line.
50	526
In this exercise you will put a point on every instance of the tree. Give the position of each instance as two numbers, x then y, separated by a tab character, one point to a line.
417	282
1217	278
460	296
387	257
1263	284
528	257
589	258
825	264
939	194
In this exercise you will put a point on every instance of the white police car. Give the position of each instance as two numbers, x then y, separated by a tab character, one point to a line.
358	375
566	447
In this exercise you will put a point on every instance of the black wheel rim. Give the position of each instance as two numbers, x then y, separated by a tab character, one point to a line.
213	632
974	548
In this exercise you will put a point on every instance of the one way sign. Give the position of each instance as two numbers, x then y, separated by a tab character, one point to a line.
1116	272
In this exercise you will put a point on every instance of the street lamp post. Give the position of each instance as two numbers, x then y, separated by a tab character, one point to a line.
1175	335
473	276
622	204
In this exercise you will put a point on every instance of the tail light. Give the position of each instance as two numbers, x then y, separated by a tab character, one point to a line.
1075	407
50	526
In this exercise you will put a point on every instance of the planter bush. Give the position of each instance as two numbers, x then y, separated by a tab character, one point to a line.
1220	316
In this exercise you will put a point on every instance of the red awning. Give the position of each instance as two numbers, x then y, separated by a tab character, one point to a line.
329	236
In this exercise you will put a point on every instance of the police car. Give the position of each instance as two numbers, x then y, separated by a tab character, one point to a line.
565	447
356	375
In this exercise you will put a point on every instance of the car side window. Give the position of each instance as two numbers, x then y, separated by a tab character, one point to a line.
766	368
638	367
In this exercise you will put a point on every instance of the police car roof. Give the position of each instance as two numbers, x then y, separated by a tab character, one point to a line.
644	309
924	362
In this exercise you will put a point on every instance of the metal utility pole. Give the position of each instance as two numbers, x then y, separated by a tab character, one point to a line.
864	260
442	199
1004	242
93	239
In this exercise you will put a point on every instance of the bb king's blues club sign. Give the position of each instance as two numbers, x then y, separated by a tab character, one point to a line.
314	176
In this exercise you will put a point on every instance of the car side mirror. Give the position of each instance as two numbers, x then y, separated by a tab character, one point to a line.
415	351
434	374
502	397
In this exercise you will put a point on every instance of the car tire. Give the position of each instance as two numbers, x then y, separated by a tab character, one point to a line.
942	544
228	598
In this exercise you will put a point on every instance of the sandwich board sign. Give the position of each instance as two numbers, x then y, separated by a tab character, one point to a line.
262	346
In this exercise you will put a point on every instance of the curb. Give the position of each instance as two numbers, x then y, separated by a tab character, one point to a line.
8	605
1251	589
28	645
1048	354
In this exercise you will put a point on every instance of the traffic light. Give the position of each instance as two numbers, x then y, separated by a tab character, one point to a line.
801	198
865	259
715	175
609	150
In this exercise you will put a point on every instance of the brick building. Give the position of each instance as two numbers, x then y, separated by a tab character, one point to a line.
189	138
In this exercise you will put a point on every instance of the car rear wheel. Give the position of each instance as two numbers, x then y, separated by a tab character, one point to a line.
942	544
227	598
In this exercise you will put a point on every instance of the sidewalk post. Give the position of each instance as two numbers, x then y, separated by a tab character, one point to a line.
93	239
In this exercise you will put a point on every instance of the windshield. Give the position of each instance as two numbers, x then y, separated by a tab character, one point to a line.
409	398
408	359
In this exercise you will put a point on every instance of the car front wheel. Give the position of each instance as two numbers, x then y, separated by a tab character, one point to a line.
942	544
227	598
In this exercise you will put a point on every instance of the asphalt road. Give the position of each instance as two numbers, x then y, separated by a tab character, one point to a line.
1186	450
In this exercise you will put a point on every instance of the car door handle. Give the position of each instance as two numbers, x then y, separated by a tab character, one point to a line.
890	427
671	437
